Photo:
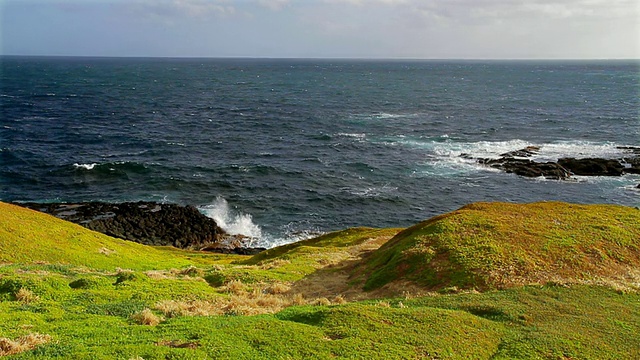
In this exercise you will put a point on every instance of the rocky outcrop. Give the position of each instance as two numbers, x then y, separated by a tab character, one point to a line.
149	223
593	166
518	162
528	168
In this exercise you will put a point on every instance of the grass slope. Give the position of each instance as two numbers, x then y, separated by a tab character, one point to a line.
497	245
27	236
61	299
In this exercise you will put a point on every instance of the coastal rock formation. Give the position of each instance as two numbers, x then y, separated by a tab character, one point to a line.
149	223
517	162
232	244
592	166
528	168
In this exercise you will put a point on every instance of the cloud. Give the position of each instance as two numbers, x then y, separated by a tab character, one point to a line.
371	2
182	8
532	8
505	8
274	4
341	28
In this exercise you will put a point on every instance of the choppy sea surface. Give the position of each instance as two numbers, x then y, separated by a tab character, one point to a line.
280	149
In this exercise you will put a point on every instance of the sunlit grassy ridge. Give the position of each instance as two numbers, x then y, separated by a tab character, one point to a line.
62	295
497	245
27	236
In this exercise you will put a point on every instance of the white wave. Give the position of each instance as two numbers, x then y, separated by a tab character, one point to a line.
387	116
370	192
290	236
351	135
547	152
453	157
85	166
580	149
238	223
384	115
233	222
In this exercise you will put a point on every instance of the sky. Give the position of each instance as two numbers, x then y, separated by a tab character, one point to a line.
417	29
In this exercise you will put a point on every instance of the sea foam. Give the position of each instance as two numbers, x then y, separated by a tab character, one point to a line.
450	157
238	223
231	221
85	166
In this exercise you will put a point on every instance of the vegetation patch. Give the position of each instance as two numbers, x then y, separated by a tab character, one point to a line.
499	245
22	344
31	237
147	317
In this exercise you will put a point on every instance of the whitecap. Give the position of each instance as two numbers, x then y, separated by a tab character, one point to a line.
384	116
370	192
85	166
352	135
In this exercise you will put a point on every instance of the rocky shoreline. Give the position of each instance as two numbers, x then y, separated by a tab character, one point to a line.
184	227
150	223
518	162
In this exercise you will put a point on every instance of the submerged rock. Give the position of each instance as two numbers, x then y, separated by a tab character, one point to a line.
147	223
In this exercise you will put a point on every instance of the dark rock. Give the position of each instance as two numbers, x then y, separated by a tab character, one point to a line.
516	162
526	152
631	164
146	223
528	168
232	244
592	166
237	250
632	149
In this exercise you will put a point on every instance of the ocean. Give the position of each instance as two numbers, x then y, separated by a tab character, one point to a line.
280	149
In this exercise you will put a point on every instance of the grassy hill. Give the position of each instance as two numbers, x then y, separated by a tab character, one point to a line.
29	237
498	245
67	292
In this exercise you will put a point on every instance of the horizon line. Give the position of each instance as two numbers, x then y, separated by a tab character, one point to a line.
319	58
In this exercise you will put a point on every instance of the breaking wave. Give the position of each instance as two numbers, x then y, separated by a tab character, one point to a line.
236	222
232	221
451	157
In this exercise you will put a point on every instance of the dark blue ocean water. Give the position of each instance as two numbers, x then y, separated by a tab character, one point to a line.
277	148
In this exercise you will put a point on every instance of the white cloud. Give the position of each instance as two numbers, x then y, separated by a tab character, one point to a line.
274	4
537	8
363	28
182	8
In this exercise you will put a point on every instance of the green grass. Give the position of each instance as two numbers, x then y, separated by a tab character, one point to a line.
497	245
543	322
29	237
76	295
